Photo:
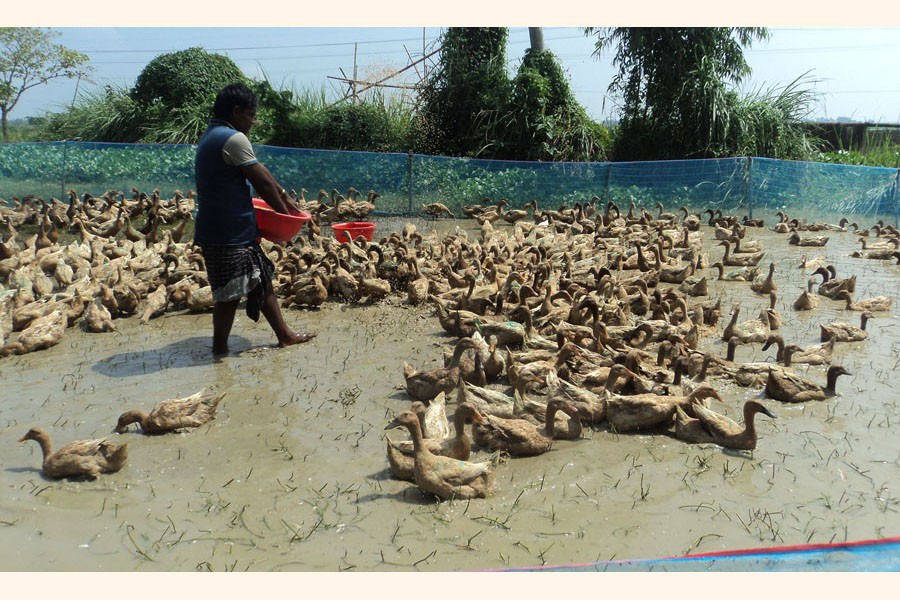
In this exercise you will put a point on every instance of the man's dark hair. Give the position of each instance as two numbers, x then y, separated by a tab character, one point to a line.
233	95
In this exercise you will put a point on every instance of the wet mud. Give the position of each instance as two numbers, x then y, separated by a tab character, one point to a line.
292	474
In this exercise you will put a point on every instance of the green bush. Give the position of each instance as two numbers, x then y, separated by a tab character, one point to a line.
184	78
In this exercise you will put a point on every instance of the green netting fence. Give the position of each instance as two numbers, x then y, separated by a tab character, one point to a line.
406	181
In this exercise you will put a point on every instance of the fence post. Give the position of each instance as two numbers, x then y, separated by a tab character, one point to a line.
609	167
894	199
62	173
746	191
409	178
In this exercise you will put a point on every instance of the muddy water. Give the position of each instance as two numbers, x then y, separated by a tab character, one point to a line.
292	474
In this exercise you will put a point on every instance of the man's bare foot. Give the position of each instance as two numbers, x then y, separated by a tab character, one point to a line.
296	338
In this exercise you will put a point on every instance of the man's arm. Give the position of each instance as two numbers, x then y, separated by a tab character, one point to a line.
269	189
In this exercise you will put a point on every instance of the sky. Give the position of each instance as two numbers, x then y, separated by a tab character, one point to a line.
851	69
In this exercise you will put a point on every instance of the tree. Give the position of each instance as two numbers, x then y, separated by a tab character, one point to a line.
544	121
466	94
28	58
185	78
176	92
674	86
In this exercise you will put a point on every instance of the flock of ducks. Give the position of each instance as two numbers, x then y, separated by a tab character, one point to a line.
564	321
583	316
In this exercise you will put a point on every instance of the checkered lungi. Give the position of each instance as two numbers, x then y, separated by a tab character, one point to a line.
236	271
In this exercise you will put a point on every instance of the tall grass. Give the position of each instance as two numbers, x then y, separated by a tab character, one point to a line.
770	122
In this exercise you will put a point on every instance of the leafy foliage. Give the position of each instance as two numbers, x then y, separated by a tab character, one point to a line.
28	58
674	85
466	95
185	78
544	121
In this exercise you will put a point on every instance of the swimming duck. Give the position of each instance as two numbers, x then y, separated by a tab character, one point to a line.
644	411
690	429
789	387
830	285
816	240
818	354
741	274
845	332
83	458
443	476
173	414
520	437
764	285
728	434
401	455
807	300
739	260
754	330
878	303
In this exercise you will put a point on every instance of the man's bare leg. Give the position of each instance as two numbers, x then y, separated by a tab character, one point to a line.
270	309
223	319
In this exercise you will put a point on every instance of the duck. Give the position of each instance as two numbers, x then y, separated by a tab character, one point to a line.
789	387
740	260
812	263
401	455
82	458
96	318
173	414
754	330
647	411
816	240
728	434
156	303
436	209
807	300
690	429
519	437
845	332
818	354
772	312
433	418
445	477
741	274
417	288
830	285
764	285
41	333
875	304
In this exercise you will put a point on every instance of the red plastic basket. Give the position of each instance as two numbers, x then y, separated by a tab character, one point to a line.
347	232
275	226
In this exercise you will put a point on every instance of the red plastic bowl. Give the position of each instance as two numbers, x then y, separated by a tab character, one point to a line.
275	226
347	232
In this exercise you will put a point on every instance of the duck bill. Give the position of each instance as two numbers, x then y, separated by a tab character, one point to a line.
392	425
768	413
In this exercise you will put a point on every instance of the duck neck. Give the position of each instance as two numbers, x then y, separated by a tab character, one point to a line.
415	431
46	445
831	383
750	412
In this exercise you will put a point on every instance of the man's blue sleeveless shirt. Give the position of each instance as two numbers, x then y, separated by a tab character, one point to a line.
225	214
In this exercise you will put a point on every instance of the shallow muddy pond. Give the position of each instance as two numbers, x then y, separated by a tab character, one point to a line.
292	474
